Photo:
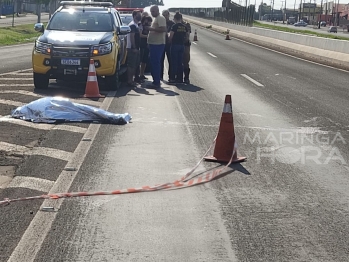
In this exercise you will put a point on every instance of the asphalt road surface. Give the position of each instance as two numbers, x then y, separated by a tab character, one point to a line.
23	20
288	202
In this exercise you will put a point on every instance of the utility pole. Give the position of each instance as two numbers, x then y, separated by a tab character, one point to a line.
260	11
300	11
272	12
285	13
282	5
336	15
294	8
321	11
314	10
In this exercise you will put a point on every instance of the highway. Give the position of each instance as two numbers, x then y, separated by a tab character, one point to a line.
288	202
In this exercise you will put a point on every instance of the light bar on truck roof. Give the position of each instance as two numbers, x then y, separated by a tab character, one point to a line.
85	3
127	10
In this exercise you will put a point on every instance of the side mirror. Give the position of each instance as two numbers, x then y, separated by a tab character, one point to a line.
124	30
39	27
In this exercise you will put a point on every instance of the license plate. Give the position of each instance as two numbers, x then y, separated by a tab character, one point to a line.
70	72
70	61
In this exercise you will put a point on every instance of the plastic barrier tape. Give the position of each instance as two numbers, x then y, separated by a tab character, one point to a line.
185	181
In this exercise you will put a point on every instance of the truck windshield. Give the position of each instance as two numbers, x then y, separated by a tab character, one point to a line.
81	21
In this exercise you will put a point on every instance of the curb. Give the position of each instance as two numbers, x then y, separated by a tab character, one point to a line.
317	55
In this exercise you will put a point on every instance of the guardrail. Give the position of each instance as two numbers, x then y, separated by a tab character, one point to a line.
235	14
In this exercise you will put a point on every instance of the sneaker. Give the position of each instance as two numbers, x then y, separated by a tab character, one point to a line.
132	84
187	81
143	78
139	80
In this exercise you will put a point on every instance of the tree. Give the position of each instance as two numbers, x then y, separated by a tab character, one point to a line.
264	9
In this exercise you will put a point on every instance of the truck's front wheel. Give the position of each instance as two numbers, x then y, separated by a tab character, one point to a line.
41	81
112	82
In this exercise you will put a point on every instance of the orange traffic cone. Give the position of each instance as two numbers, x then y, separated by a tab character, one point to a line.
195	36
226	146
92	89
227	37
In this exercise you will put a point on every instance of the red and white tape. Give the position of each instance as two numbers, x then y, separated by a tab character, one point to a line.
184	182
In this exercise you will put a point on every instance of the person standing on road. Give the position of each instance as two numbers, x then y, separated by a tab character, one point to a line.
144	52
133	45
178	36
186	56
156	42
167	53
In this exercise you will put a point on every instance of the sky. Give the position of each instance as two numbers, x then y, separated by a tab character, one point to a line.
218	3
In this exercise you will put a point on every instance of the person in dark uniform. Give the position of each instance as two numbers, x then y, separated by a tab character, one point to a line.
169	24
186	56
177	38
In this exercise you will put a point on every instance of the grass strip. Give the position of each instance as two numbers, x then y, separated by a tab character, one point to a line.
17	35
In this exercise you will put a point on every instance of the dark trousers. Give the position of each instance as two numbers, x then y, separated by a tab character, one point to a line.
186	60
176	72
156	52
166	53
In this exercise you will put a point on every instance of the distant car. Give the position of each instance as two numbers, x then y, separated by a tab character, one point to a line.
332	29
126	18
301	23
323	23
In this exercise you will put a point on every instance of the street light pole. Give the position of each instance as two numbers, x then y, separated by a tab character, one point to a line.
335	19
314	11
272	12
321	11
285	12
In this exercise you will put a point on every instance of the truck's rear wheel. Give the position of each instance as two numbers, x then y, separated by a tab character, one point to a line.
41	81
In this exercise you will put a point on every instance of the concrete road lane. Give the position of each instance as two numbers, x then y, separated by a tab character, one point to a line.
28	19
287	202
15	57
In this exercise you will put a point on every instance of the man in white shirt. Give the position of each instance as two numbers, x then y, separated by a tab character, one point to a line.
156	42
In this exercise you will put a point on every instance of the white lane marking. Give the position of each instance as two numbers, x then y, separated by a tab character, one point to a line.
171	123
16	72
33	183
34	236
16	79
43	126
16	103
194	43
43	151
252	80
11	102
22	92
23	74
14	85
211	54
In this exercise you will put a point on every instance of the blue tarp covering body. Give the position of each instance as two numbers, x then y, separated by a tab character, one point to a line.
58	109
